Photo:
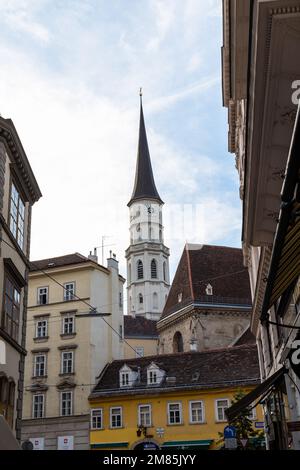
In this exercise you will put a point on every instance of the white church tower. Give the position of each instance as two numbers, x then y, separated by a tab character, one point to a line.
147	257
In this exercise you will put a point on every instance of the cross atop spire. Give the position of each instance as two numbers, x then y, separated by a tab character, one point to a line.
144	185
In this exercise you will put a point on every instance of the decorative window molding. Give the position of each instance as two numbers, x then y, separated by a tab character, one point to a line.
38	405
40	365
67	362
66	403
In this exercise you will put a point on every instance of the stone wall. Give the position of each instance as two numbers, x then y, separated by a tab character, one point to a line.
210	330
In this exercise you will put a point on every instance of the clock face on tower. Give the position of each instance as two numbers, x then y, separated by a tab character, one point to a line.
150	209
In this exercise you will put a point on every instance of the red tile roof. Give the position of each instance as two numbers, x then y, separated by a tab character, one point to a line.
200	265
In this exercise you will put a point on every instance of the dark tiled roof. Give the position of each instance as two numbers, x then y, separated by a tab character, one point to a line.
214	368
200	265
59	261
139	327
246	338
144	185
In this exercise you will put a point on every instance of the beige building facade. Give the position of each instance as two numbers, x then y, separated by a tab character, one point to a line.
67	349
18	192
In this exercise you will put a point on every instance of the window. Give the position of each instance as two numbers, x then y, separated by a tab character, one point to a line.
152	377
69	291
39	369
165	271
120	300
145	416
7	398
141	299
116	417
17	216
174	413
11	308
139	351
153	269
41	329
124	379
97	418
221	406
68	324
42	296
66	403
155	301
38	406
129	273
140	269
67	362
252	414
177	342
121	332
196	412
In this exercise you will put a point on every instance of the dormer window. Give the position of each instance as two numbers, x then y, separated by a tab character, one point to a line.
209	289
154	375
127	376
180	297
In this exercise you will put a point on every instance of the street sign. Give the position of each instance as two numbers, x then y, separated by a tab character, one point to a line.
244	442
229	432
230	443
259	425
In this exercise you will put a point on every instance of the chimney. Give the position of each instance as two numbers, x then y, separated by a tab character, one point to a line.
93	257
112	261
171	380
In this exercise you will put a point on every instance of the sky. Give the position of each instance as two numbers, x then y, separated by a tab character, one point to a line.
70	77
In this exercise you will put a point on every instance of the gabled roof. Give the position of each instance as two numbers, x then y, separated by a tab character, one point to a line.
221	267
207	369
139	327
59	261
144	185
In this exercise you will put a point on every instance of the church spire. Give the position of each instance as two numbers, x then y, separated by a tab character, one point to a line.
144	185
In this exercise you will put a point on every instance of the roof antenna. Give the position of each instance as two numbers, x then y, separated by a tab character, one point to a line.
141	94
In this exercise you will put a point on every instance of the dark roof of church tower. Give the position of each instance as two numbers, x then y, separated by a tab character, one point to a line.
144	185
202	266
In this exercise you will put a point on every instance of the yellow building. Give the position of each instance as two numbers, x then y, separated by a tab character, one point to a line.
141	337
170	401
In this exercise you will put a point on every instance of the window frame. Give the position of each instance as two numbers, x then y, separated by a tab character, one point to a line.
67	351
67	316
46	293
43	405
35	364
143	405
18	215
42	320
140	270
192	402
10	321
153	269
216	409
61	403
96	428
124	373
73	293
111	415
180	413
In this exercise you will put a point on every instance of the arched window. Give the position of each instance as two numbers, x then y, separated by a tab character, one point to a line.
177	342
209	289
160	235
153	269
165	271
141	299
155	300
140	269
129	272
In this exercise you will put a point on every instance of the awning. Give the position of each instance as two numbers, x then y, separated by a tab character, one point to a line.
233	411
285	260
205	444
110	445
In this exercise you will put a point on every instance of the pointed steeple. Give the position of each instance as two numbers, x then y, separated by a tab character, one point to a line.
144	185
